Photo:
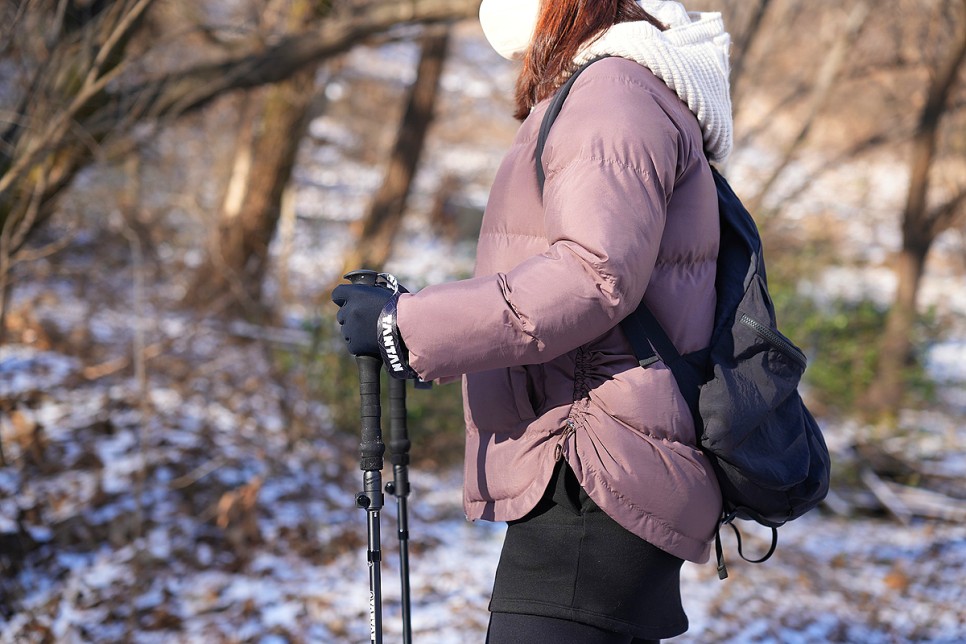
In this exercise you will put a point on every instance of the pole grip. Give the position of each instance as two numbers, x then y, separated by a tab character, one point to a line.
371	447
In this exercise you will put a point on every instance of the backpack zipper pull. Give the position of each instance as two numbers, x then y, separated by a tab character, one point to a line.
719	552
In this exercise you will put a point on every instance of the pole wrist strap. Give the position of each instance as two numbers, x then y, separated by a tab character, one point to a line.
394	352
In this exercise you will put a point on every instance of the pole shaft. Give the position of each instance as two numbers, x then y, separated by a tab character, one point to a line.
403	524
374	556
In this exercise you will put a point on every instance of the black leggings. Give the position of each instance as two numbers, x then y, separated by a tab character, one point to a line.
513	628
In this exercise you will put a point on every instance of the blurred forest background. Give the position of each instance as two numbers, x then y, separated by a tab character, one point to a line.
182	184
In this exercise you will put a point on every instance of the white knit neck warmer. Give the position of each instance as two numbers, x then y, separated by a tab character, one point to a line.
691	57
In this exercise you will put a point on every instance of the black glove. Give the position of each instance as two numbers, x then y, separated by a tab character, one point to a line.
367	315
360	306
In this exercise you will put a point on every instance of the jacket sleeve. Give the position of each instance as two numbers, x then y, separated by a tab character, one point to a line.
605	202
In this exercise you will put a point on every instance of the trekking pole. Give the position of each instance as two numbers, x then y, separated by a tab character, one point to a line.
371	450
399	445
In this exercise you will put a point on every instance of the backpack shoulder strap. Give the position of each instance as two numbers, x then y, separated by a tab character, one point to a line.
651	343
647	336
551	115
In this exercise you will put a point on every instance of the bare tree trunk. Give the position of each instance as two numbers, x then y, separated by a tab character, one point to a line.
377	231
920	227
286	235
238	254
895	347
267	143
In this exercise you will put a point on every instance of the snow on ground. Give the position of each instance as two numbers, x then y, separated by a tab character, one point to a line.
300	574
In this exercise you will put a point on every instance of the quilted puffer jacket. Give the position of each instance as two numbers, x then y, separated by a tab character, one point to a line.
629	211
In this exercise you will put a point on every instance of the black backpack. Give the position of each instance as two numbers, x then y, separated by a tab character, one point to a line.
767	450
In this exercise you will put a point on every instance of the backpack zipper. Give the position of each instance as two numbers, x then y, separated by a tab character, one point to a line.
775	340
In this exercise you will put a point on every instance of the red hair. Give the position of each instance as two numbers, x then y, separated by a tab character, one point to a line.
563	26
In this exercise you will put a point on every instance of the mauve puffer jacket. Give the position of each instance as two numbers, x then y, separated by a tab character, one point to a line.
629	210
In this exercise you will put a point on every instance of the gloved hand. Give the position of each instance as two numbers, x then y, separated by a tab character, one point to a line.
367	314
360	306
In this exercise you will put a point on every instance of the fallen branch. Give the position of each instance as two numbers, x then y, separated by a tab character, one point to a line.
906	502
110	367
197	474
929	504
886	496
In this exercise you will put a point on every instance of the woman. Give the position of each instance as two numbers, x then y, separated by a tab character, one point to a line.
589	457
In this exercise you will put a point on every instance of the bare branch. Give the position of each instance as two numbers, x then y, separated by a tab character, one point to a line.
829	71
10	22
101	113
95	82
126	25
927	132
743	45
193	88
948	214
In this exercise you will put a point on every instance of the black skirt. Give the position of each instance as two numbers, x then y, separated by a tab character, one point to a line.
568	559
